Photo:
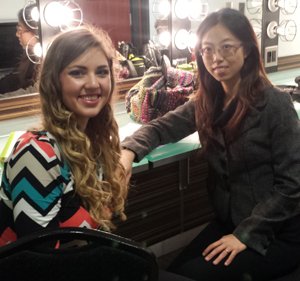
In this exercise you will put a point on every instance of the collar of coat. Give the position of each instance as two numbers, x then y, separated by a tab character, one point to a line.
220	118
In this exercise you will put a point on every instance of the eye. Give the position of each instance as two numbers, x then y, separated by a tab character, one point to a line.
76	73
103	72
207	50
226	47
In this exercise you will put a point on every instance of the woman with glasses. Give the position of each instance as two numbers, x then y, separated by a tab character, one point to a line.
22	80
249	132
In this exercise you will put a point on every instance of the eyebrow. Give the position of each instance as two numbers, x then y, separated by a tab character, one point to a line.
84	67
223	41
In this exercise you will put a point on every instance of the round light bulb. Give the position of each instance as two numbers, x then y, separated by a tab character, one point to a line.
181	39
164	38
192	40
57	14
38	50
182	8
164	8
52	13
66	15
35	14
195	9
257	3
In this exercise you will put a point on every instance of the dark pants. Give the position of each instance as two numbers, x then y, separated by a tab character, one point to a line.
281	258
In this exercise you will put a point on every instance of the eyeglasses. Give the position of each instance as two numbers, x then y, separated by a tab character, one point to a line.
225	51
20	31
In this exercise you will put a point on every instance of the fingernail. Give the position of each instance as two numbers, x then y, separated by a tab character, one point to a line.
203	254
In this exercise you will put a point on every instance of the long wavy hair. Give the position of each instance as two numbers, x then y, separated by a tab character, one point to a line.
27	71
253	75
99	145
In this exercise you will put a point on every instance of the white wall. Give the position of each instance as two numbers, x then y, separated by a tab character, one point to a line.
9	9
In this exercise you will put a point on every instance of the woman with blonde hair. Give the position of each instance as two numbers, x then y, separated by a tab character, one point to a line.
68	172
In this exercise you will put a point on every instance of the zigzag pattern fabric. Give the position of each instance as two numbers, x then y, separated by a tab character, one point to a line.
37	190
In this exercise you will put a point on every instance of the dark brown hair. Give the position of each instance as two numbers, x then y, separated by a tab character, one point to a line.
253	76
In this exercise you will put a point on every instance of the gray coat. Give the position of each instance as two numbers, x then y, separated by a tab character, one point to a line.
254	180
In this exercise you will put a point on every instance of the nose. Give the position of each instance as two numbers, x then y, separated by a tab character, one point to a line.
217	56
91	82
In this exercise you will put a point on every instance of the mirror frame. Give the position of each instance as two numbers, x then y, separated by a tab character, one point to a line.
29	105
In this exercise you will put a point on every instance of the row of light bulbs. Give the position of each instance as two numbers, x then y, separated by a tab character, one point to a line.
195	10
62	14
286	30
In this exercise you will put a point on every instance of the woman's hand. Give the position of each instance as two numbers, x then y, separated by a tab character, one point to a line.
127	157
228	245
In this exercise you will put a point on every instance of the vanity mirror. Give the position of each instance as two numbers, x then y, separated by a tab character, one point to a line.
112	15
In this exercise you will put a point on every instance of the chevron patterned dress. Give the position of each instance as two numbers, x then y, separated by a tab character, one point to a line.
37	190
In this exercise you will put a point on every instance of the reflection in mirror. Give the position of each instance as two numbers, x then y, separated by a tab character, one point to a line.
21	77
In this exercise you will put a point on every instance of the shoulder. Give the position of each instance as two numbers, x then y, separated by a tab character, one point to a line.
276	96
280	109
275	102
38	144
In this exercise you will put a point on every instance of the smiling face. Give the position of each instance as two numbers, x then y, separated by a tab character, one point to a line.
86	85
225	69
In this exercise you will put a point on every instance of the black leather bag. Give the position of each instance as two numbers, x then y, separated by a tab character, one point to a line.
127	50
152	55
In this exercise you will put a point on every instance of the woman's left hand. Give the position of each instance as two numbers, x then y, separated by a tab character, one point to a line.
228	245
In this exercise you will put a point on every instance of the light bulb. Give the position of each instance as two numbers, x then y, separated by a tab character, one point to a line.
195	9
35	14
38	50
182	9
164	38
164	8
57	14
192	40
181	39
288	6
257	3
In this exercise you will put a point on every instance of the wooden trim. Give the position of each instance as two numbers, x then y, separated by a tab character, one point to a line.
290	62
17	107
127	84
28	105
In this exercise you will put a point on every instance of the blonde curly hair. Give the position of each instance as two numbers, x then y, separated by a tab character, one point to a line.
99	145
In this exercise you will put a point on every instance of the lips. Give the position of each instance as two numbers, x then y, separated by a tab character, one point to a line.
219	69
90	98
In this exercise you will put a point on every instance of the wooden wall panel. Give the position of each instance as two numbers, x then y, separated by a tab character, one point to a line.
111	15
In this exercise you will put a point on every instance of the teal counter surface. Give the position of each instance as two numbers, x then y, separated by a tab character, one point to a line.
286	77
